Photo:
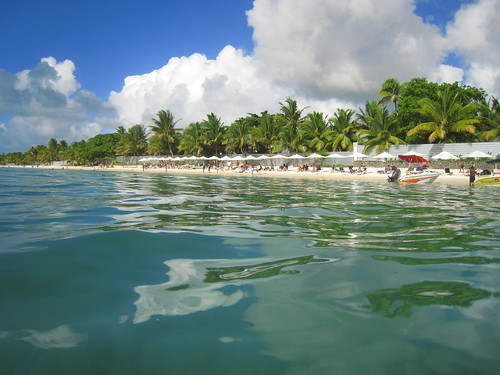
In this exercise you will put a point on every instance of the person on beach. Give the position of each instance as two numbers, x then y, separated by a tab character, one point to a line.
396	172
462	166
472	175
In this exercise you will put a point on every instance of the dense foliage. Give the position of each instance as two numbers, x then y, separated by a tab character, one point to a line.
413	112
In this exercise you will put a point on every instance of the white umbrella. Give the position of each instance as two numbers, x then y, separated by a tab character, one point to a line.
357	155
262	157
238	158
445	155
385	155
296	156
250	157
477	155
144	159
315	156
213	158
225	157
334	156
278	156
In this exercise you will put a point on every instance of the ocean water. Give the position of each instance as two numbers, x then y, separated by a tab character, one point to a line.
123	273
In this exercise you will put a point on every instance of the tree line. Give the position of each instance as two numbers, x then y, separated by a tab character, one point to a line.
413	112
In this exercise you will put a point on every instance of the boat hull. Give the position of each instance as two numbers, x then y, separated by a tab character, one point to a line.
418	178
489	180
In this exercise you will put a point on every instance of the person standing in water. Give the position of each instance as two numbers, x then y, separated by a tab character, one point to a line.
472	175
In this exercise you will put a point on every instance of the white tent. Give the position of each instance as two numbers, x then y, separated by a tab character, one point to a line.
385	155
477	155
334	156
315	156
445	155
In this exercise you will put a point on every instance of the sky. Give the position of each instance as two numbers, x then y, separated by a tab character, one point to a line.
73	69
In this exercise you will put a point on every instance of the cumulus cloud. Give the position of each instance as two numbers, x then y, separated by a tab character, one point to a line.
475	36
325	54
46	102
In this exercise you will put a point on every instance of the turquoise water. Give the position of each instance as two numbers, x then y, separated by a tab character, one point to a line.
121	273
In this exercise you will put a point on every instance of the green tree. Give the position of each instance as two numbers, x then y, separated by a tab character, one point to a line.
192	140
164	129
213	133
446	117
101	146
290	118
268	131
379	129
344	131
489	117
314	130
133	142
238	136
390	92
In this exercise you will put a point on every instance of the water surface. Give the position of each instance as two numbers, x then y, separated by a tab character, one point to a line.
123	273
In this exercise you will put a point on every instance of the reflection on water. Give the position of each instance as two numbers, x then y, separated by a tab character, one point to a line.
401	301
61	337
196	285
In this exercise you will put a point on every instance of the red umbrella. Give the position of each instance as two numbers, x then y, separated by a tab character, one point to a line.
412	157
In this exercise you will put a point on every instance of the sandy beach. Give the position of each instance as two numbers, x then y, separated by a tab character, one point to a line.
455	178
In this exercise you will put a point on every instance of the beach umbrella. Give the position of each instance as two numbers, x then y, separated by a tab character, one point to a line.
238	158
412	157
477	155
445	155
225	157
385	155
296	156
250	157
263	157
334	156
278	156
144	159
315	156
213	158
357	155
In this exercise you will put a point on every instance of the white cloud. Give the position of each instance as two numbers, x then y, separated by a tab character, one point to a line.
475	35
325	54
447	73
46	102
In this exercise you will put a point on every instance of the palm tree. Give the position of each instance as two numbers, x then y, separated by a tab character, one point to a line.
268	131
238	136
164	129
379	130
344	131
133	142
290	119
490	119
447	117
192	140
390	92
213	132
313	131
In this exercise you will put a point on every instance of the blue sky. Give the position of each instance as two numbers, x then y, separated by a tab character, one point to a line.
109	40
110	63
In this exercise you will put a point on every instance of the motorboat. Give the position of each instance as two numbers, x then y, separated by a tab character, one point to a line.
418	177
490	179
414	176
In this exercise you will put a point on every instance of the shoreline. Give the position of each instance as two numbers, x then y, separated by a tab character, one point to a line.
456	178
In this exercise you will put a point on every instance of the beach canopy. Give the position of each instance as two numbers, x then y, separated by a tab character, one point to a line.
278	156
263	157
296	156
250	157
334	155
314	156
213	158
477	155
445	155
238	158
225	157
385	155
412	157
357	155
